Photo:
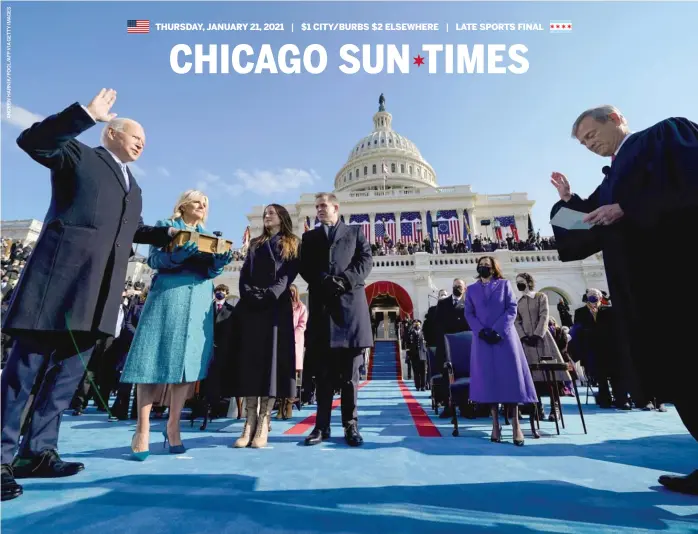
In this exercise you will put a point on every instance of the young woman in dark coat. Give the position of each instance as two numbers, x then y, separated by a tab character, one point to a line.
265	362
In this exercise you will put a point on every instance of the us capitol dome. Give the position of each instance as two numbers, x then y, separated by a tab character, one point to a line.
384	159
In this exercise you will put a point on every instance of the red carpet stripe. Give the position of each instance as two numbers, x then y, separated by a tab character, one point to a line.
309	422
425	427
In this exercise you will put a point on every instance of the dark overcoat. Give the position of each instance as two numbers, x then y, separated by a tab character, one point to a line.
78	267
265	359
226	330
654	179
344	321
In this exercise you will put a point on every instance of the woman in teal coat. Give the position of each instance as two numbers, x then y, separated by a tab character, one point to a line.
173	344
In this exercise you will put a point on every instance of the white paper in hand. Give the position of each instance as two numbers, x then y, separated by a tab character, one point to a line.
570	220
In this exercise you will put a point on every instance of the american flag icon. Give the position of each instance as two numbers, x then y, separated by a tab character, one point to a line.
560	26
137	26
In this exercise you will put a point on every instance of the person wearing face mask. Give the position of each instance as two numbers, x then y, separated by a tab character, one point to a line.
216	385
594	345
532	319
417	352
499	372
430	328
450	319
119	409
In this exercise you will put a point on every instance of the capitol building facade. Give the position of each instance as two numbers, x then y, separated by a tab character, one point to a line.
391	190
388	188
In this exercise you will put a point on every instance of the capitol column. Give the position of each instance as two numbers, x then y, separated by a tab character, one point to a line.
398	231
425	230
372	218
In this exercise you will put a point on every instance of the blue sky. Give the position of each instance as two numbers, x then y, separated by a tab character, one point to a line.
255	139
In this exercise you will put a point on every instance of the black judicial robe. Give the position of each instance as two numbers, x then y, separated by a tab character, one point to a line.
654	179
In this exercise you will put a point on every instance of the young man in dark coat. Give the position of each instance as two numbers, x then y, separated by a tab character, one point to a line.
69	293
652	182
335	262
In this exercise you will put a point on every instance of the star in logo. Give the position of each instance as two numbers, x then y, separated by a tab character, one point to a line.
419	60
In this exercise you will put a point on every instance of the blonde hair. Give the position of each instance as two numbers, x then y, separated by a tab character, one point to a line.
187	198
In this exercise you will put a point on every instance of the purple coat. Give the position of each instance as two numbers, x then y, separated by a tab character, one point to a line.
498	373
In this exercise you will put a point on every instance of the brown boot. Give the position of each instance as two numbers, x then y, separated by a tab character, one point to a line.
262	434
281	414
288	408
250	424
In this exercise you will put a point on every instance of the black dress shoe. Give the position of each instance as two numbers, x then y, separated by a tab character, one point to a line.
352	436
317	436
446	414
10	488
45	465
687	484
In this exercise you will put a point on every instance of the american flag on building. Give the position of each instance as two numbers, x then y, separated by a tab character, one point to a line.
138	26
365	222
410	227
306	224
449	226
507	226
385	227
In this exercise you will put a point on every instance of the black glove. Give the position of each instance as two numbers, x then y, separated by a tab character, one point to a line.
333	286
257	296
493	337
484	334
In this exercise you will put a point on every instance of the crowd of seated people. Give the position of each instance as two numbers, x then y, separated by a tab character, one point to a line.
480	244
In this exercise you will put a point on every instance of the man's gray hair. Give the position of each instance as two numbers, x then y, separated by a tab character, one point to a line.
331	197
115	124
600	114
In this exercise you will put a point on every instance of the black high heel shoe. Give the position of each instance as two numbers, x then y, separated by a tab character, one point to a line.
498	439
519	442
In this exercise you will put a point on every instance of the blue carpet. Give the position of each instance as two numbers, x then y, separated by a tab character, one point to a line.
397	482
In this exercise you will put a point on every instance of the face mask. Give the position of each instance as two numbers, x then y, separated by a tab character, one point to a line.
592	299
457	291
522	287
125	302
484	271
220	296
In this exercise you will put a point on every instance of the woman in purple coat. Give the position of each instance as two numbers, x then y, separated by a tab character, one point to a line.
499	371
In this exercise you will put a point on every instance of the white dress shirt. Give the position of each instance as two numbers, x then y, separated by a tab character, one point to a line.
621	144
124	168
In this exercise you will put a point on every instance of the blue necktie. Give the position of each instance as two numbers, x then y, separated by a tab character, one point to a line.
124	169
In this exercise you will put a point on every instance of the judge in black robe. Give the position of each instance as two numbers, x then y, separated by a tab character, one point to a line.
649	192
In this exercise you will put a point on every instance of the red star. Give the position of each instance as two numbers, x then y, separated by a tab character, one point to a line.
419	60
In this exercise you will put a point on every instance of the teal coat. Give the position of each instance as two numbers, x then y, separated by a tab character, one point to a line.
174	339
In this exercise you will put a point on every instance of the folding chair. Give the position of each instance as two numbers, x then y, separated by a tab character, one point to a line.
458	347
